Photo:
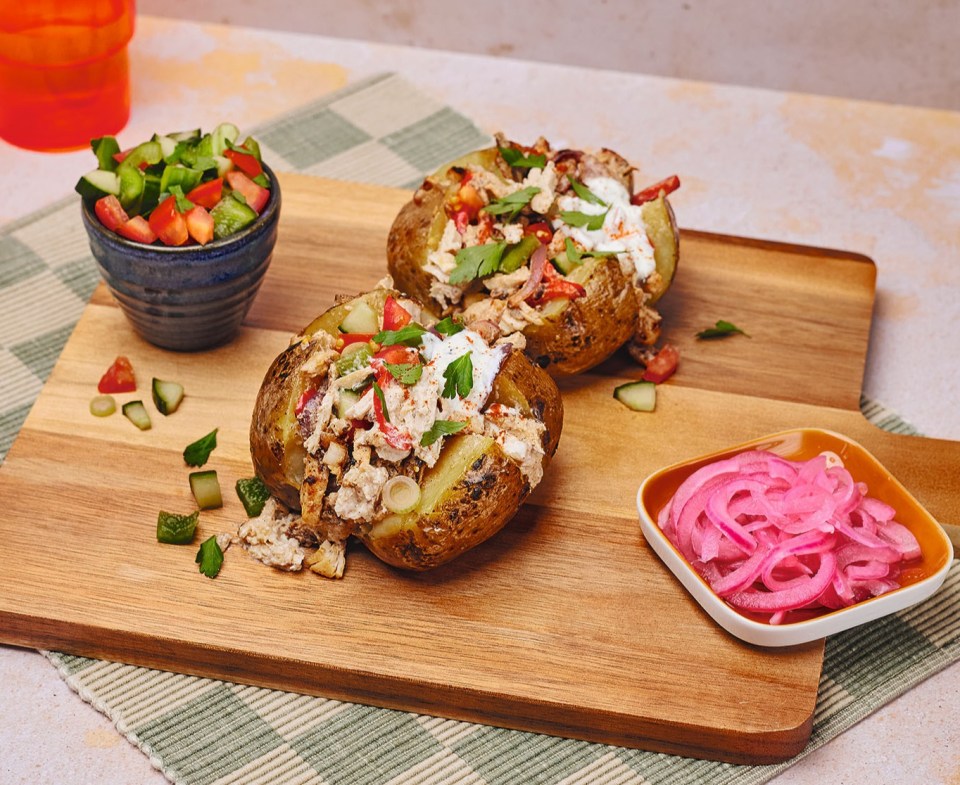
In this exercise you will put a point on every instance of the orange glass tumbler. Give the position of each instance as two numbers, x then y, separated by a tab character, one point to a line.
64	74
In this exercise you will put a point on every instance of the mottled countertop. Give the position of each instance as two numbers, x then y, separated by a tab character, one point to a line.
878	179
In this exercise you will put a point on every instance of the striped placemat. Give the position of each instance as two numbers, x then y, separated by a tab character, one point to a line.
205	732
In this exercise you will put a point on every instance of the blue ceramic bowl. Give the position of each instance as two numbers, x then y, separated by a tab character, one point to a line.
187	298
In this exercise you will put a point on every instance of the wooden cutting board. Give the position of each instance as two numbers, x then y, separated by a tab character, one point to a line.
565	623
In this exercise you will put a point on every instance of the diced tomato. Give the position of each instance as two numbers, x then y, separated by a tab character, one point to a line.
138	230
207	194
555	287
168	223
461	220
397	354
118	378
346	339
255	195
110	212
663	364
396	438
305	397
395	315
541	230
668	186
245	162
199	224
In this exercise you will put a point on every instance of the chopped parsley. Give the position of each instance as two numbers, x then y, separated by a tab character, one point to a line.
408	335
459	377
210	557
720	330
583	220
441	428
517	159
405	373
447	326
477	261
197	453
585	193
511	204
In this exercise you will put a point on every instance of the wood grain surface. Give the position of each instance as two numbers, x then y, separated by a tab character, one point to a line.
564	623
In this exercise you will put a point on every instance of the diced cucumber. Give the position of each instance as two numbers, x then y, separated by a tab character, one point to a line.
253	495
346	399
151	152
222	135
562	262
177	529
639	396
136	412
132	182
361	319
231	215
186	136
223	163
105	148
167	145
252	146
97	184
166	396
204	146
151	193
353	358
206	489
183	176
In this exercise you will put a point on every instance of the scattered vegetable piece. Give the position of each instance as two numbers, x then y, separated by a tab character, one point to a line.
177	529
720	330
447	326
253	495
662	365
411	335
395	315
639	396
477	261
785	539
136	412
166	395
197	453
516	158
210	557
441	428
400	494
102	405
118	377
667	186
205	486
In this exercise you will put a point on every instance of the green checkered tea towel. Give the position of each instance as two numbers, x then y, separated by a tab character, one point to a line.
206	732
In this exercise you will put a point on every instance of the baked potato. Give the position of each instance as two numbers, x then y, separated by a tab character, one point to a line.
420	438
554	244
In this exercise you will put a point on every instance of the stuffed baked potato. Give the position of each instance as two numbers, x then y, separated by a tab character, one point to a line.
554	244
421	439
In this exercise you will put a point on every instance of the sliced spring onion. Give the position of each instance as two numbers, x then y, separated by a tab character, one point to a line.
400	494
102	405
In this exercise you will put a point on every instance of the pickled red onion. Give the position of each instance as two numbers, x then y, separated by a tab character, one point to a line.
773	536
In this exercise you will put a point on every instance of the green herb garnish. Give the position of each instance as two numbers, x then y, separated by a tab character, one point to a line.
408	335
183	204
585	193
405	373
253	495
477	261
197	453
383	401
210	557
583	220
177	529
517	159
576	256
441	428
720	330
447	326
459	376
511	204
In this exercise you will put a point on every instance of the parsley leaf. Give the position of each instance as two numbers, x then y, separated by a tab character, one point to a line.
477	261
409	335
441	428
196	453
585	193
459	376
447	326
183	204
517	159
210	557
583	220
512	203
720	330
405	373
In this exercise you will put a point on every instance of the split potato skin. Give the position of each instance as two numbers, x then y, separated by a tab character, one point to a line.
578	333
471	492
